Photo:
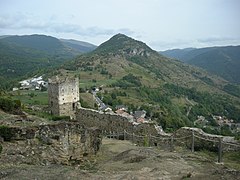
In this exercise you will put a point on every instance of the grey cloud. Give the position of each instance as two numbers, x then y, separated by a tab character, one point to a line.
214	39
20	21
171	44
8	22
199	43
24	21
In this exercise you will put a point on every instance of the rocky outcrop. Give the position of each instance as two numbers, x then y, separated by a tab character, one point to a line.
61	143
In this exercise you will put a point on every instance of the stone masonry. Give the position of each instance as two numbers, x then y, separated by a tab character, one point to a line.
60	143
112	122
116	124
63	96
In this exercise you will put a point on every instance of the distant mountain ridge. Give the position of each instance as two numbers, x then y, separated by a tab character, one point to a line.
22	55
80	46
222	61
48	43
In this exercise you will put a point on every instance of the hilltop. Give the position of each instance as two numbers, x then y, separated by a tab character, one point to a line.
120	52
172	93
222	61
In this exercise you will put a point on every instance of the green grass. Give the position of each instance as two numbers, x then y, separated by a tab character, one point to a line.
31	97
3	115
232	160
88	98
40	114
88	83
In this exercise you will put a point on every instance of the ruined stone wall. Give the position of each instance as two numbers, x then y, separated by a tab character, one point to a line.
111	122
143	134
204	140
61	143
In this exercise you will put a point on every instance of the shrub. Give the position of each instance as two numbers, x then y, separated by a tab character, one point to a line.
84	104
6	133
59	118
9	105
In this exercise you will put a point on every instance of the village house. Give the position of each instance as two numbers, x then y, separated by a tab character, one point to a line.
201	120
137	118
222	120
121	107
139	114
123	113
35	83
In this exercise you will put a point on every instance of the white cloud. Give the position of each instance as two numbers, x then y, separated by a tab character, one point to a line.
30	22
162	24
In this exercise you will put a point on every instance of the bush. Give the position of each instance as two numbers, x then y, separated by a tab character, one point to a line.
128	81
84	104
9	105
6	133
0	148
59	118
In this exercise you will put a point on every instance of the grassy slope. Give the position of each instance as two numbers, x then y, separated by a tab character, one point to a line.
121	55
164	83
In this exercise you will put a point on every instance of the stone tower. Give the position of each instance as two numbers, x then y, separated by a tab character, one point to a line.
63	96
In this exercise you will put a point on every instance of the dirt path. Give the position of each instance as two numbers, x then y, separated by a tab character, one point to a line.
123	160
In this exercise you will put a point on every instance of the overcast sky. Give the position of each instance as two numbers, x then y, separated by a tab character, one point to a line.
162	24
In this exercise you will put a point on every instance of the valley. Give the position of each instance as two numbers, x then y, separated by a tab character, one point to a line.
119	90
130	73
122	79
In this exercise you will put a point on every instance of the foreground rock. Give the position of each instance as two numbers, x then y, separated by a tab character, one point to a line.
123	160
58	143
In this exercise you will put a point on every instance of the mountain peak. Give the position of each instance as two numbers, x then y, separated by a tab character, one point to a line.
120	37
122	44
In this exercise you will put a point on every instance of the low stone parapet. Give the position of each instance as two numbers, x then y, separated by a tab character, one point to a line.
59	143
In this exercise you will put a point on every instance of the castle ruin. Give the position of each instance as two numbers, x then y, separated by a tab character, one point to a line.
63	96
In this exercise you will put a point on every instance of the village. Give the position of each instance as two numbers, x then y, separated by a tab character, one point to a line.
38	84
35	83
135	117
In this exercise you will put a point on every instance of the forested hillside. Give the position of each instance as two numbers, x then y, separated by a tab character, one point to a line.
222	61
21	56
